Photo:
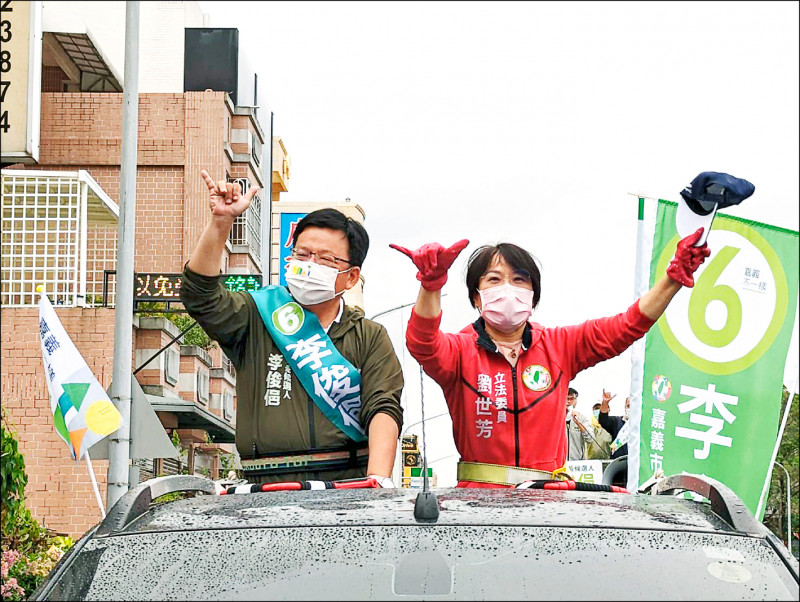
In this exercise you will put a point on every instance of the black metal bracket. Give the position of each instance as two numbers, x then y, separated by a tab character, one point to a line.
724	502
136	501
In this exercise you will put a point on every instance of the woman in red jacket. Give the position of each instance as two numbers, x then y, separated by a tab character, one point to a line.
505	377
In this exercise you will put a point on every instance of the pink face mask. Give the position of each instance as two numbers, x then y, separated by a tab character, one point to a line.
506	307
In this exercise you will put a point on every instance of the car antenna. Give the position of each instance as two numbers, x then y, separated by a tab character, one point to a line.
426	508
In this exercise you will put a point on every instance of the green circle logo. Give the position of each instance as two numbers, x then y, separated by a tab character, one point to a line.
536	378
661	388
709	288
288	318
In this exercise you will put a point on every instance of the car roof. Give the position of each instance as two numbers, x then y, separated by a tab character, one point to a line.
457	507
375	544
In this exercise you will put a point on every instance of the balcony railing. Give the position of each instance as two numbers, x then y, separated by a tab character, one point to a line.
59	229
246	229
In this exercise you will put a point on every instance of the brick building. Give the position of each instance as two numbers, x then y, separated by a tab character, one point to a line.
59	229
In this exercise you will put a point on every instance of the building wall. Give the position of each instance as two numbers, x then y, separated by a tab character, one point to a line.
160	48
179	134
59	492
206	124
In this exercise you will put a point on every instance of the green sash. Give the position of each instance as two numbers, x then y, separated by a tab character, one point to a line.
329	379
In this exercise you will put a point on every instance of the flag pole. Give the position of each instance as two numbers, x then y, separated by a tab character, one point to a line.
641	280
94	483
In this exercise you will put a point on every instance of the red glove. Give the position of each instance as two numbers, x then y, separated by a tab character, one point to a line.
687	259
433	261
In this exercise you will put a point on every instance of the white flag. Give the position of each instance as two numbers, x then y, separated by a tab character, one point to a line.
82	411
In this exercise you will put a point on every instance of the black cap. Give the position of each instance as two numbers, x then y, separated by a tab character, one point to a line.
712	188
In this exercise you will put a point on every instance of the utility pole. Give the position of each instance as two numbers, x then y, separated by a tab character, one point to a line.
119	445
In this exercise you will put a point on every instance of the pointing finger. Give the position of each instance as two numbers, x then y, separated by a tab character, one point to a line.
694	237
208	180
453	251
403	250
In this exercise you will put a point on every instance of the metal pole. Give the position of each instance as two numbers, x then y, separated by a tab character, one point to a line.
641	281
119	443
266	213
405	430
788	508
386	311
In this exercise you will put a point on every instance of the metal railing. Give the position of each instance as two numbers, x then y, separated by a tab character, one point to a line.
246	228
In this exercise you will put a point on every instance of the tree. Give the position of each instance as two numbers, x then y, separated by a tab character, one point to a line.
775	513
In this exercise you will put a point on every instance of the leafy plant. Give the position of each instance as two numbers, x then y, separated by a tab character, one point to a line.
788	454
196	336
22	573
29	551
14	477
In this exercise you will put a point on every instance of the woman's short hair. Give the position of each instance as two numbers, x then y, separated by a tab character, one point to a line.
517	257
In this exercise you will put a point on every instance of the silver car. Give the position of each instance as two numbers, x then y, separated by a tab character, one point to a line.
447	544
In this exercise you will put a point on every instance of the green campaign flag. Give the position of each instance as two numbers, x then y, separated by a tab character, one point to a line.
712	375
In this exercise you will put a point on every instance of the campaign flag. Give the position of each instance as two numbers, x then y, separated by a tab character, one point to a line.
82	412
712	373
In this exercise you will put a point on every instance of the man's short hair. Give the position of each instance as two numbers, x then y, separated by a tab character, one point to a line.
572	391
333	219
596	406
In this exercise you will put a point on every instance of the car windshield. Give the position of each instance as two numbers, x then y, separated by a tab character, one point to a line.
288	546
464	562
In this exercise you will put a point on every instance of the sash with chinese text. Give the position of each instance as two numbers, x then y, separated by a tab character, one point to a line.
331	381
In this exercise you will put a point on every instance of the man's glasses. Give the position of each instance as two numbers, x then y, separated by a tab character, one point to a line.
326	259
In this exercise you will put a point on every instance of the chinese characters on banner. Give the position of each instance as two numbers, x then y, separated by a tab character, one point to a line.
714	362
331	383
82	412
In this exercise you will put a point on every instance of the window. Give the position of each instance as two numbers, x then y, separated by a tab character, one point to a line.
256	152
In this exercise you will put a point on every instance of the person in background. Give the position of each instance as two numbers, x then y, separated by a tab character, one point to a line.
318	384
613	424
585	438
505	377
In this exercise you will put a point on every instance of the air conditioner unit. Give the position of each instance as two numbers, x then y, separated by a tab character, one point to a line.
172	366
227	405
202	386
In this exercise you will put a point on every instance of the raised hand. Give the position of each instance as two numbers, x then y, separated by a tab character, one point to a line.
433	261
607	397
687	259
225	199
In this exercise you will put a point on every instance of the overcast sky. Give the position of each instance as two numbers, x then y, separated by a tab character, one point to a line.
526	122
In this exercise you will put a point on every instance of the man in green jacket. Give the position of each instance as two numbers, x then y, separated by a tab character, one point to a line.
302	413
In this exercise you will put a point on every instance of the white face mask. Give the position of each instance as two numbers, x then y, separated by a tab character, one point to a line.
596	413
311	283
506	307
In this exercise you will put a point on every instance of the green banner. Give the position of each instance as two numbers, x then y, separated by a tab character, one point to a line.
714	362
